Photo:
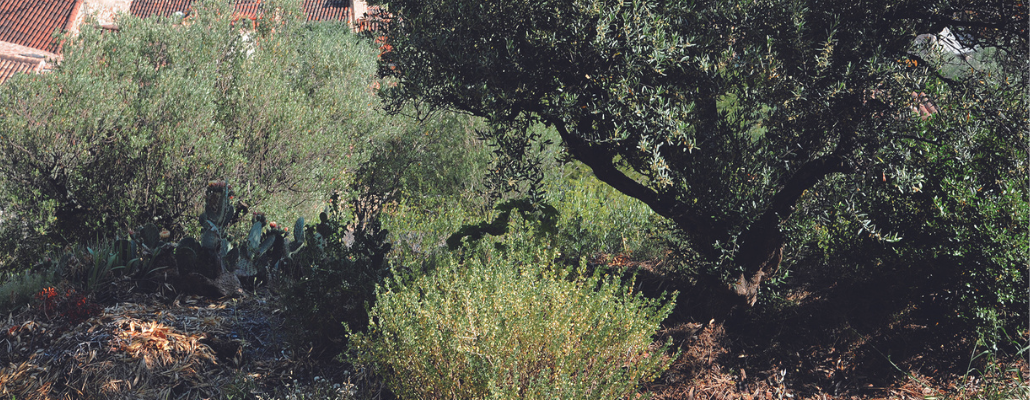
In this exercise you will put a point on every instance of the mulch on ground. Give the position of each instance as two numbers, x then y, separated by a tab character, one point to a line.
824	346
150	347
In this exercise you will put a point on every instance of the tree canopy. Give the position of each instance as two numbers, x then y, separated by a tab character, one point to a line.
727	117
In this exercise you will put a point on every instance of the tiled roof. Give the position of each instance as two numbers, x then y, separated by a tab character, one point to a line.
316	10
376	19
15	58
162	8
10	67
32	23
327	10
246	9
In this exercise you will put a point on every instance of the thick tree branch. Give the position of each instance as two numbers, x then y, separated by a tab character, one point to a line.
808	175
600	162
761	246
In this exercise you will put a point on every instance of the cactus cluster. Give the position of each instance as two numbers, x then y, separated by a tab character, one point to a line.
262	250
142	247
149	252
265	250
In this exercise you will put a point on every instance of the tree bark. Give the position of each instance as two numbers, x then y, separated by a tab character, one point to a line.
761	245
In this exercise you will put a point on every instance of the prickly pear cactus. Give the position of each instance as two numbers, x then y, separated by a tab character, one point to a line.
219	213
217	208
250	254
186	252
148	235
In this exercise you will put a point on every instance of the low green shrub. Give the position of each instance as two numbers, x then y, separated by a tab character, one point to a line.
420	227
544	218
513	324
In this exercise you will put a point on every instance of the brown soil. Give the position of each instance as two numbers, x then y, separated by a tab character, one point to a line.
834	343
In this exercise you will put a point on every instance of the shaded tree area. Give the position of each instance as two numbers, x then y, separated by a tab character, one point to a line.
770	133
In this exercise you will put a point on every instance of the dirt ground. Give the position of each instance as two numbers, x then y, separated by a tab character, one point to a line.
834	343
148	346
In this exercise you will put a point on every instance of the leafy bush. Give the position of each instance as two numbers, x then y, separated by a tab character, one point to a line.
420	227
342	262
949	213
439	156
129	126
543	215
513	324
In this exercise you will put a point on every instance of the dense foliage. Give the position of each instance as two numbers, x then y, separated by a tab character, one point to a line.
132	124
875	185
761	129
336	275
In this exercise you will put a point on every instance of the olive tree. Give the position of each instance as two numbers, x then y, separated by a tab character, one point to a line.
727	117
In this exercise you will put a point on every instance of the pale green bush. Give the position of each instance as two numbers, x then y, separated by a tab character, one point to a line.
130	127
512	324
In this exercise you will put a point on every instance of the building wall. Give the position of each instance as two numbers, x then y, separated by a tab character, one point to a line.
104	11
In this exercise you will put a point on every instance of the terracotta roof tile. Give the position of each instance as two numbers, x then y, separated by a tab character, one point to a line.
327	10
316	10
32	22
9	68
248	9
162	8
